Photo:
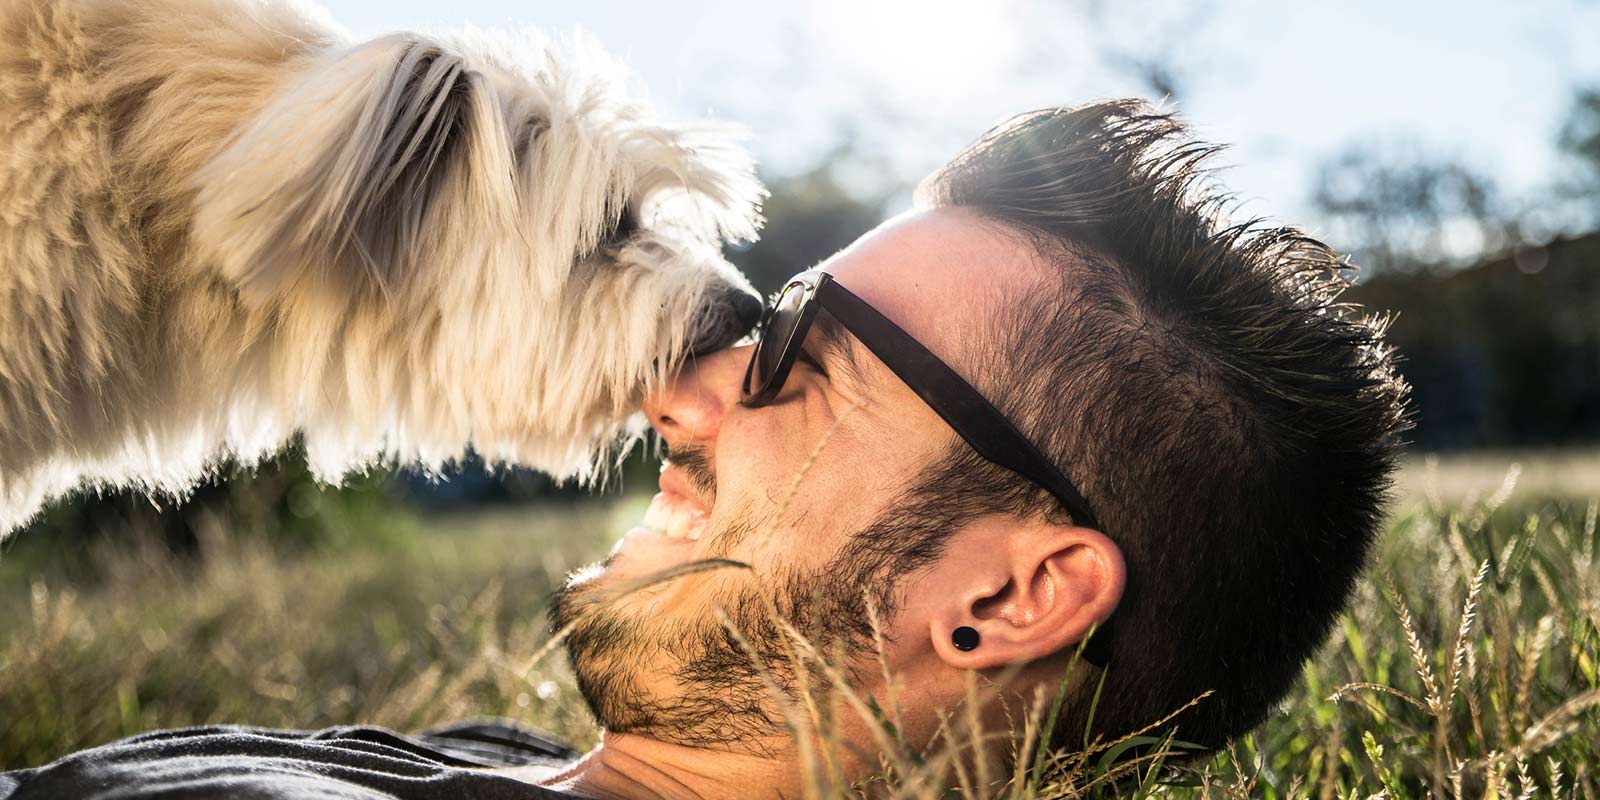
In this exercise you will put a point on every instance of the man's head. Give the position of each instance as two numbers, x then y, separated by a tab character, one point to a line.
1233	427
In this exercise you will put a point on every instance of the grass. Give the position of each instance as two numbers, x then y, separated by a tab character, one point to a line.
1467	666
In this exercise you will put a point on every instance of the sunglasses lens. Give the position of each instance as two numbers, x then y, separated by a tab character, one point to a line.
776	334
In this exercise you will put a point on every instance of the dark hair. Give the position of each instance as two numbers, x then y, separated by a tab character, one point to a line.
1234	425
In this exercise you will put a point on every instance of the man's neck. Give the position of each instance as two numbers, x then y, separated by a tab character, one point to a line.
628	767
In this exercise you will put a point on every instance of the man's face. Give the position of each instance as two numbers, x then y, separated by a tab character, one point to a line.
785	489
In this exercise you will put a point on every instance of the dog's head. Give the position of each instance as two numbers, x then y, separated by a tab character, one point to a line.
479	240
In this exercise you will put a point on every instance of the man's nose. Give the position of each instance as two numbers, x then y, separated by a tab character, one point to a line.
689	408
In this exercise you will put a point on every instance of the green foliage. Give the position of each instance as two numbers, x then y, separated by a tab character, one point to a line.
403	630
278	500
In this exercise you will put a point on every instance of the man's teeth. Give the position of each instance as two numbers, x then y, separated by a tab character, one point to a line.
674	520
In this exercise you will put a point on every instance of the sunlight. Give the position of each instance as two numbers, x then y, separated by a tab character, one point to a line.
923	49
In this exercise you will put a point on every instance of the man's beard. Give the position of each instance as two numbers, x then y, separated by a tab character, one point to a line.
720	697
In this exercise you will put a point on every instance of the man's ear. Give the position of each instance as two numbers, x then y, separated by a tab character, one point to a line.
1030	590
359	170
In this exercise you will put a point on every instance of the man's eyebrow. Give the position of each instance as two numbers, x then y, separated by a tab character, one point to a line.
833	340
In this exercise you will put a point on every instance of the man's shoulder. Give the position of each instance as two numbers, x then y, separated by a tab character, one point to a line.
350	761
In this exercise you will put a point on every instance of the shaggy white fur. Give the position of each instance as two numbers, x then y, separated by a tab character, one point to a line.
221	222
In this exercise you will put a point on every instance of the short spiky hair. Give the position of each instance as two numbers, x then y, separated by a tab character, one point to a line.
1234	426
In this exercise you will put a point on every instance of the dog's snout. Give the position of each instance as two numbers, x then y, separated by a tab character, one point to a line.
728	318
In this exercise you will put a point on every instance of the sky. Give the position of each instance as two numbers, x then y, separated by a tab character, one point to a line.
1286	85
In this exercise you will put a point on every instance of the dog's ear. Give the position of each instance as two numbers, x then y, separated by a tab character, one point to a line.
356	175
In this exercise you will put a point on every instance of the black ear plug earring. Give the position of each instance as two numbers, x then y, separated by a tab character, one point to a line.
964	638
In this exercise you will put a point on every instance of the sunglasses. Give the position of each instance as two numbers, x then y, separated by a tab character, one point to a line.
783	330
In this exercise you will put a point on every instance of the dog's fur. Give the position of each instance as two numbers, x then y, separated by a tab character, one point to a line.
221	222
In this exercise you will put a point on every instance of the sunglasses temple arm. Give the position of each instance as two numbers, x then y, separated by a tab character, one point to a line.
972	417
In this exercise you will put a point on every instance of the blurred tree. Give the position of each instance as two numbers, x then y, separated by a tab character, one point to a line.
1155	47
811	216
1497	325
1580	133
1393	205
1580	141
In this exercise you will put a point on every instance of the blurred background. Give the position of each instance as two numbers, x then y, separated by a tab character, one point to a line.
1452	148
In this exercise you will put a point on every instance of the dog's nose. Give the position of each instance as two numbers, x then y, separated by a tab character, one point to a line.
734	313
747	309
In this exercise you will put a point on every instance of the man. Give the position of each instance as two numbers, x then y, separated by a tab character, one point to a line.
1058	421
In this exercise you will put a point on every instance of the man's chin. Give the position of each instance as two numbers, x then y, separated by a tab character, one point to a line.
621	583
677	681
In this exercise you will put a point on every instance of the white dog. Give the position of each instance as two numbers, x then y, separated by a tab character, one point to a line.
221	222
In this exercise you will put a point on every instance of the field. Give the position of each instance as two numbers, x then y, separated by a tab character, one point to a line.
1467	666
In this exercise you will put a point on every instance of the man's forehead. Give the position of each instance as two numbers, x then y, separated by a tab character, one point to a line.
940	274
